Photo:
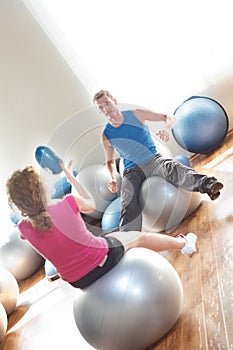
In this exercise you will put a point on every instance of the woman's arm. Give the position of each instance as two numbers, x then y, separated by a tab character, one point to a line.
83	199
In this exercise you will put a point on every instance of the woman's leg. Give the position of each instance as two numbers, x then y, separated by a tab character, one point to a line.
157	241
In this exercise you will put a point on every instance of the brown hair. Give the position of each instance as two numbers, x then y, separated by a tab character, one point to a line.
101	93
27	193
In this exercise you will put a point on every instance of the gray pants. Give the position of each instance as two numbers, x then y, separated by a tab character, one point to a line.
168	169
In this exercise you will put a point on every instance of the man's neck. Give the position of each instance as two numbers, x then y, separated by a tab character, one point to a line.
117	120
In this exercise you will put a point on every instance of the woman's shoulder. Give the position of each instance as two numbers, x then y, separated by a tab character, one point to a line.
59	204
24	223
69	198
25	227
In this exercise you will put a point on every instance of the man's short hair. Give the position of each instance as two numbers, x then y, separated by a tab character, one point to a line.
101	93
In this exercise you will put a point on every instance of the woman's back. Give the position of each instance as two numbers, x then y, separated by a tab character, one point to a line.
69	245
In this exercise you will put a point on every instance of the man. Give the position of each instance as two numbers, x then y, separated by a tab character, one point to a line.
127	133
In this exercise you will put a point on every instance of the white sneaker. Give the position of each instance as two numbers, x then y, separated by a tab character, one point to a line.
190	246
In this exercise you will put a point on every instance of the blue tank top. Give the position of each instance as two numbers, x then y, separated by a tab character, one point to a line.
132	139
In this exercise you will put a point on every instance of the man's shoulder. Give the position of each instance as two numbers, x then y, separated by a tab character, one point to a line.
128	111
132	117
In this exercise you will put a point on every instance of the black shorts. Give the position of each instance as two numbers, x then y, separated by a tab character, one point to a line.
114	255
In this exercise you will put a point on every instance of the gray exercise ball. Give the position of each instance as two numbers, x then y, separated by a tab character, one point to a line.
9	290
165	205
3	322
94	179
18	256
133	305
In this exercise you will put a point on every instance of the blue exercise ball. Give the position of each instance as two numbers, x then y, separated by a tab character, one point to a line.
201	125
16	216
50	270
111	217
48	159
132	306
182	159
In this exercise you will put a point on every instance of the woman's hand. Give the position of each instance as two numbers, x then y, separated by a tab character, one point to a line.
83	198
67	170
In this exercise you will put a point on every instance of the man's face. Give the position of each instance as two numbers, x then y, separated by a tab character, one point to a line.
107	106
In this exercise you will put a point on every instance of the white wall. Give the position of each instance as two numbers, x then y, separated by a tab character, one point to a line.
38	92
43	102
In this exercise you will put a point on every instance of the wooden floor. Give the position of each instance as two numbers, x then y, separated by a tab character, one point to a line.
44	319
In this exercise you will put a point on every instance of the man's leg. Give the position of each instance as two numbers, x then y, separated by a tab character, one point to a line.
131	211
184	177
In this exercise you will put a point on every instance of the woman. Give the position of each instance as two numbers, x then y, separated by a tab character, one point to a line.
58	232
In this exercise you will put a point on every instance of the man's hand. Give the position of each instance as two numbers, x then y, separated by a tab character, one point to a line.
112	186
170	121
163	135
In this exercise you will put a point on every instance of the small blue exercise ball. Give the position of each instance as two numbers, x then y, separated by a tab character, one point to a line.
182	159
201	125
48	159
111	217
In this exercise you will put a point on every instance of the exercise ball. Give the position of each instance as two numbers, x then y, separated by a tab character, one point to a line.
165	205
50	270
9	290
182	159
111	217
94	179
133	305
201	125
15	216
48	159
18	256
3	322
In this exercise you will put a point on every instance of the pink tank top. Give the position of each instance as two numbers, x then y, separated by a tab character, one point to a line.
68	245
